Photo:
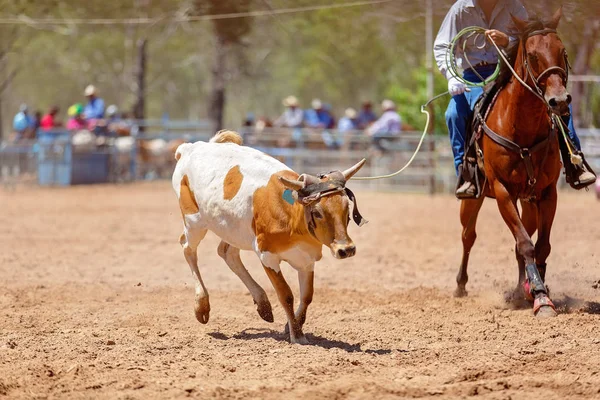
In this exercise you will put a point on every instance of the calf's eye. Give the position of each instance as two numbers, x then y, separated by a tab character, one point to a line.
317	214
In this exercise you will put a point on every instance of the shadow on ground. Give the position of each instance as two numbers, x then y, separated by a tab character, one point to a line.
314	340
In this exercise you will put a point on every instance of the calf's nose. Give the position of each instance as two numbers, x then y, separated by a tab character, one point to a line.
346	252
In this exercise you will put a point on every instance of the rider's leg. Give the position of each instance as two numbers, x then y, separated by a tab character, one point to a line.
578	176
457	115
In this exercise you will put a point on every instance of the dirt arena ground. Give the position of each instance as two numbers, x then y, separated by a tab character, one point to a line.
96	301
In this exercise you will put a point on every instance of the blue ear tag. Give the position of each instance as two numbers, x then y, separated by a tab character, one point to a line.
288	196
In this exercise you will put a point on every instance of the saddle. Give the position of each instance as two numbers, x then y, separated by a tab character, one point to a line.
473	170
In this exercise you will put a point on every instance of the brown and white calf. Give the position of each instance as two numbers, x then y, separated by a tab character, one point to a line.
254	202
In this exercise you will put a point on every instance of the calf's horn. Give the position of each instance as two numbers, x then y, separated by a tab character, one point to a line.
291	184
349	173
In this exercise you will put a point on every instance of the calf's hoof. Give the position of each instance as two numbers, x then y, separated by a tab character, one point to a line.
202	310
299	339
265	311
460	292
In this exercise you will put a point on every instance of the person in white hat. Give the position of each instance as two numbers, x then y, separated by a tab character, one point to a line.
318	116
349	121
389	123
94	109
292	116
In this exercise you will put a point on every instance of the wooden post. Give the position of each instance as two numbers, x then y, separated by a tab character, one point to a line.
217	97
140	77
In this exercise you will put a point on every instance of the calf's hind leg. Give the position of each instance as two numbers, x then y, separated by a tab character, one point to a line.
231	255
469	209
190	239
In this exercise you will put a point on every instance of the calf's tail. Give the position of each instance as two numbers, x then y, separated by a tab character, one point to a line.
226	136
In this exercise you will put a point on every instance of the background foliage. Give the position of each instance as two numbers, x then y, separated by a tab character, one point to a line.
343	56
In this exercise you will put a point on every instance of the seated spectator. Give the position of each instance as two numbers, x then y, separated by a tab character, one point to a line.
346	125
22	123
112	114
331	124
94	109
49	120
76	122
36	122
292	116
389	124
366	116
317	117
348	122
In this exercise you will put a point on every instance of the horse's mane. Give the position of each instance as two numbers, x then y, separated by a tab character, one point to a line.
533	24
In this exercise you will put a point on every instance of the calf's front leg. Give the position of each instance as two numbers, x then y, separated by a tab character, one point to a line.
286	298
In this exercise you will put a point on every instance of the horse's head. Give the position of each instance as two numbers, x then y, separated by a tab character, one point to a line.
545	62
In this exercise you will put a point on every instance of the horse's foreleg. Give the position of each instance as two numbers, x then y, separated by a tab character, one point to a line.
529	219
546	212
469	209
508	209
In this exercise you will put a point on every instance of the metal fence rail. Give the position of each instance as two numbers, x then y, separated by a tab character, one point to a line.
431	172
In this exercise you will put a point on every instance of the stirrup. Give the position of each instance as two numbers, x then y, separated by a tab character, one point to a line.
580	177
467	190
467	183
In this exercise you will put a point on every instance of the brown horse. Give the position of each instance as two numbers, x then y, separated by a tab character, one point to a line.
522	158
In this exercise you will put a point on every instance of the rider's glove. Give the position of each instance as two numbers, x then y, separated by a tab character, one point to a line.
456	87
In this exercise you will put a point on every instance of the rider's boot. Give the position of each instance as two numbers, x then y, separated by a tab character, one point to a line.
579	176
465	187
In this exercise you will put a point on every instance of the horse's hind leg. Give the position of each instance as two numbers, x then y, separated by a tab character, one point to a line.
508	209
546	212
469	209
231	255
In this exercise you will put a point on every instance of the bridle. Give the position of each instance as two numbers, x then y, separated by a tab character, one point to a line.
310	195
563	72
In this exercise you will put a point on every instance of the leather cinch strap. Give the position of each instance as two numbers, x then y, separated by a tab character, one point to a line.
524	152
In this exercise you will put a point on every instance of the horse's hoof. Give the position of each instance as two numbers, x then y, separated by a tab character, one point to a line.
460	292
543	307
545	312
202	310
265	311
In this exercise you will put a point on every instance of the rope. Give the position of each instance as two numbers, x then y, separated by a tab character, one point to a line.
25	20
414	155
475	32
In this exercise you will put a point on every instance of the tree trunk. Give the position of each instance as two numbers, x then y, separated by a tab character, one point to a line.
217	96
581	66
140	76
